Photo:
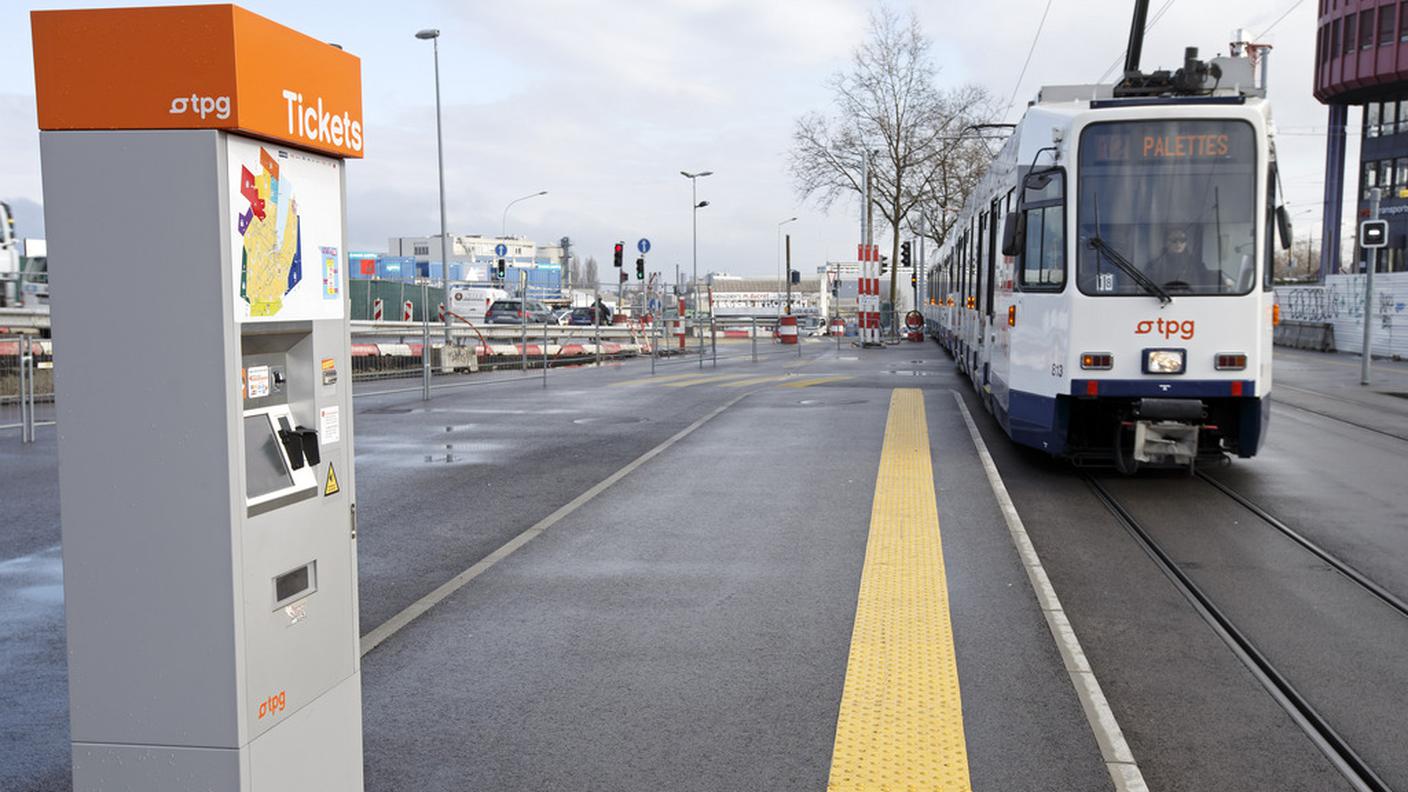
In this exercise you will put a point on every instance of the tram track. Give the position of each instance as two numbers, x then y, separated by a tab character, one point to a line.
1332	416
1311	720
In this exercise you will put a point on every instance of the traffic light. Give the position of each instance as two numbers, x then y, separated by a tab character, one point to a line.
796	277
620	248
904	254
499	270
623	276
914	280
640	268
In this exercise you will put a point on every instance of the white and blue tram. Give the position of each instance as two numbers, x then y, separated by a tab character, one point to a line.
1108	285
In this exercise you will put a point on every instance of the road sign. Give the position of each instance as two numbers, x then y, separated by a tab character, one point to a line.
501	249
643	246
1373	234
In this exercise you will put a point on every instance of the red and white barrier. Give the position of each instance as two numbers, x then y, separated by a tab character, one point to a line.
407	309
679	326
838	326
787	329
868	302
378	310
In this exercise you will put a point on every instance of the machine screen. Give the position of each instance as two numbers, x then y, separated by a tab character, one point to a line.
264	467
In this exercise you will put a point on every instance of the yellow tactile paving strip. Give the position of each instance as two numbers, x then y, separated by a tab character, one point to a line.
754	381
702	380
901	720
807	383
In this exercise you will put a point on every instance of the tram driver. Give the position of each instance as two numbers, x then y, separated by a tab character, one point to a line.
1179	265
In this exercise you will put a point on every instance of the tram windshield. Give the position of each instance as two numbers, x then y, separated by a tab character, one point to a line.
1176	198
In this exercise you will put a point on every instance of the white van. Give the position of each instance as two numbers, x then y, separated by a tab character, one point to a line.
472	301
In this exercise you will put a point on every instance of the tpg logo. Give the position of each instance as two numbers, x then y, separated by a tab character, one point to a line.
1166	328
201	106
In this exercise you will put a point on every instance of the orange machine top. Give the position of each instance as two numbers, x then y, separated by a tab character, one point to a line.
195	67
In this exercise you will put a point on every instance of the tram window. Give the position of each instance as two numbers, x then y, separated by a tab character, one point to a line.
1369	179
1388	116
1043	266
1184	217
981	248
1371	119
992	251
1268	274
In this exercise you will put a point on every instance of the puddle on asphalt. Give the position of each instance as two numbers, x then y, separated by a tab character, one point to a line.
35	588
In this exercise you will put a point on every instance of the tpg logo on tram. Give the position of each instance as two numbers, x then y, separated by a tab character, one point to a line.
1166	328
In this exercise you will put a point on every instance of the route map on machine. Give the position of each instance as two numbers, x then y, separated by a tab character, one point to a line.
272	263
287	207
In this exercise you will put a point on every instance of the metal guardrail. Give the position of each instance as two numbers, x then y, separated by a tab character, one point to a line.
26	384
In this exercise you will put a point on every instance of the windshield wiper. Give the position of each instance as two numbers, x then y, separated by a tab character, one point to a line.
1103	248
1154	290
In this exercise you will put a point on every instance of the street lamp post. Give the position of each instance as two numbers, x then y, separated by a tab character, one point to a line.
779	256
504	230
697	204
434	35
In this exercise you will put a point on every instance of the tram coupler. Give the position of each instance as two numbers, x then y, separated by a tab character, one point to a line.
1166	442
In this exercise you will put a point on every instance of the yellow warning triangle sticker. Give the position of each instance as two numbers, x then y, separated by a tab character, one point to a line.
331	488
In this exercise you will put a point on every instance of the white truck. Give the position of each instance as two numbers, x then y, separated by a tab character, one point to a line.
9	258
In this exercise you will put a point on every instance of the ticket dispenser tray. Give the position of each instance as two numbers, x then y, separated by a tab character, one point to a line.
280	453
275	470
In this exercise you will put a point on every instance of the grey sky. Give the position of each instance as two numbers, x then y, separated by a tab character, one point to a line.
603	103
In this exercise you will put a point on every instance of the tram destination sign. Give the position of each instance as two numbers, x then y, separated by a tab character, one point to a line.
1164	142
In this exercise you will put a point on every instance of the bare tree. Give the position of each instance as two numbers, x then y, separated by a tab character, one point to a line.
591	272
576	270
924	154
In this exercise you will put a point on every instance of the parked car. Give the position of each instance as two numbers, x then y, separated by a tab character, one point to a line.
583	317
511	312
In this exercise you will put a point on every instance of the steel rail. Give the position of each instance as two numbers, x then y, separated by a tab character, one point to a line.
1384	595
1335	748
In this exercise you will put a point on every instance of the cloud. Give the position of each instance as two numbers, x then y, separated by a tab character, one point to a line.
604	103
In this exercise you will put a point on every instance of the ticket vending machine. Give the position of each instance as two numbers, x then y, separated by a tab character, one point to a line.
194	200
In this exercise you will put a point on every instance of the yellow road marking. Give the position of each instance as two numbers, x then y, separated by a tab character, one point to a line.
649	380
753	381
901	719
807	383
685	383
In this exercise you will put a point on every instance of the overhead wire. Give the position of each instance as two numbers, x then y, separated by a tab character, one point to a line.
1273	25
1030	51
1163	9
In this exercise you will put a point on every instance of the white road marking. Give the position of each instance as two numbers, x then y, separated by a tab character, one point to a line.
1119	761
389	628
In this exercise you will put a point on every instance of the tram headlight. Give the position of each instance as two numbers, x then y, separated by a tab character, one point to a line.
1163	361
